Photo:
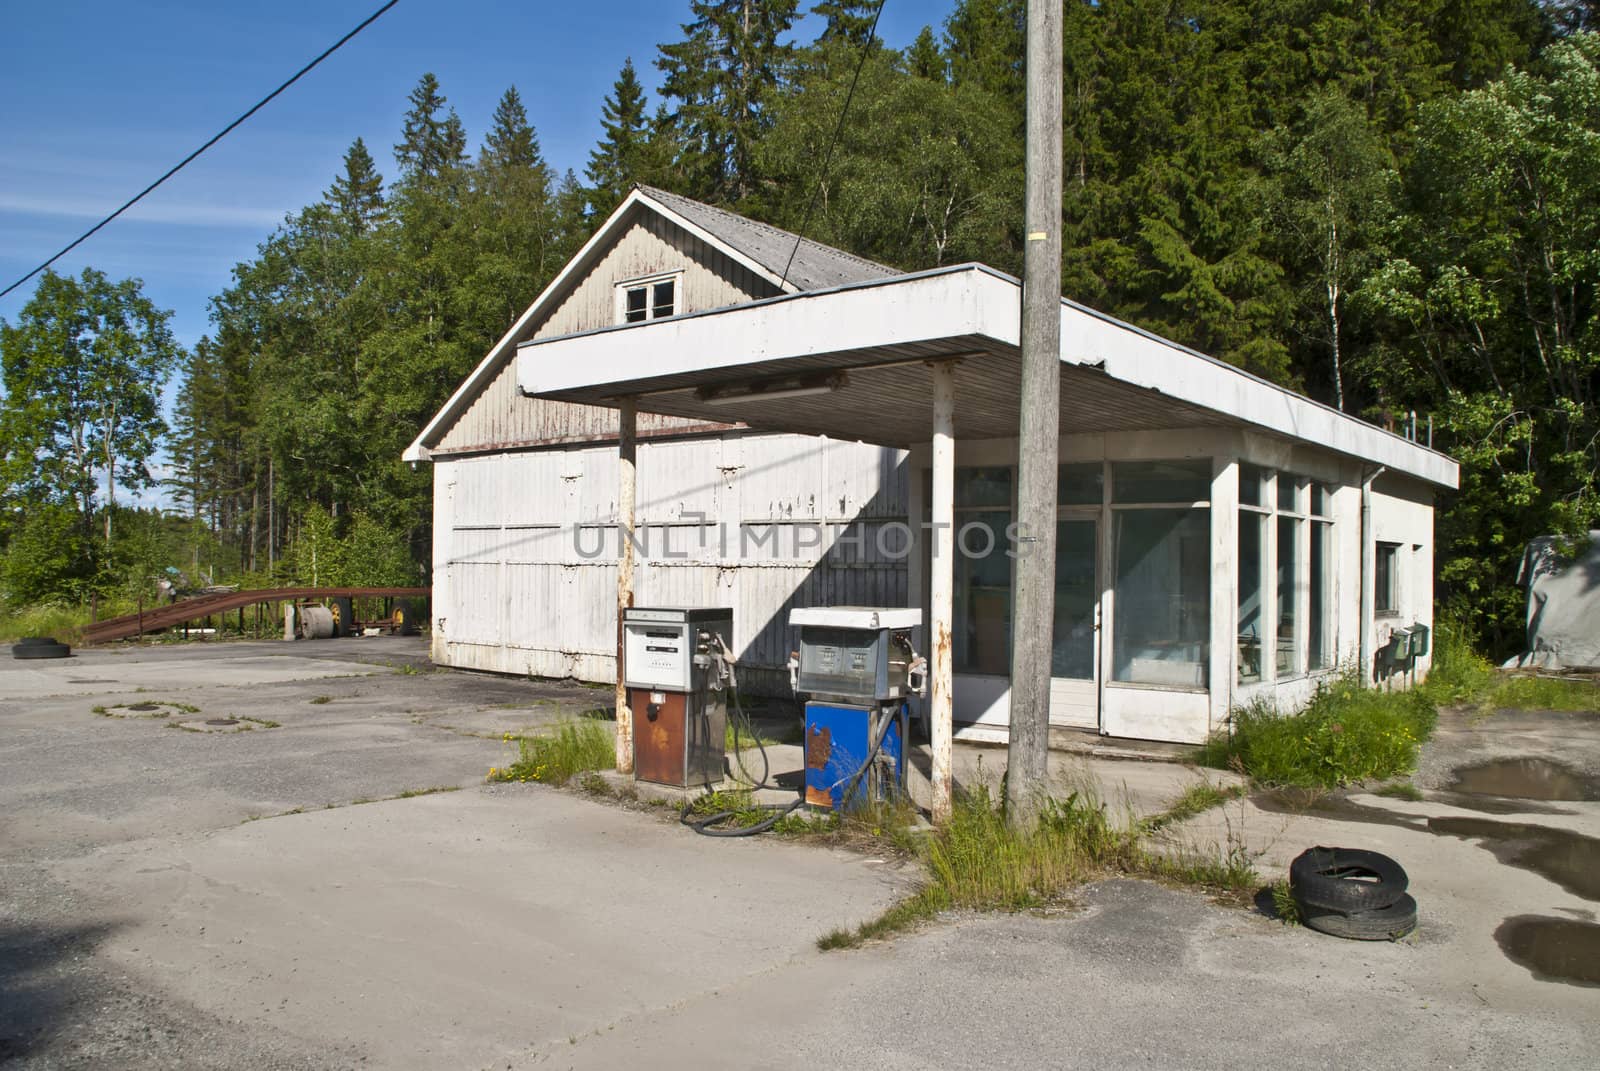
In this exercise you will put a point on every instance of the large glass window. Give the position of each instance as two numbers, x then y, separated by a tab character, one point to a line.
1161	481
1161	538
1163	596
1252	590
1077	594
1288	645
1079	484
982	581
1318	602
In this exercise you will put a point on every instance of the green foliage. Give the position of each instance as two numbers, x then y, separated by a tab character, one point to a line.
82	372
1284	903
721	78
48	557
578	745
1346	734
1487	302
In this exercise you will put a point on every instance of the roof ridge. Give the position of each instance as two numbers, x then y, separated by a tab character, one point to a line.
771	228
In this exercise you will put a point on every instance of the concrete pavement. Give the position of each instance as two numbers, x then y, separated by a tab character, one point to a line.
146	921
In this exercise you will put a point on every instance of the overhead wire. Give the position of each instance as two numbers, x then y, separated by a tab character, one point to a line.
827	157
181	164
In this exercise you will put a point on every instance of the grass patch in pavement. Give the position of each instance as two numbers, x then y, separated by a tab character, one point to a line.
1345	734
1400	790
578	745
978	861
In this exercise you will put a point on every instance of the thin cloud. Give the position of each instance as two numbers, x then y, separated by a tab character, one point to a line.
187	214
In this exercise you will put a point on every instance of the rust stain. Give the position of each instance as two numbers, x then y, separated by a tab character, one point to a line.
819	744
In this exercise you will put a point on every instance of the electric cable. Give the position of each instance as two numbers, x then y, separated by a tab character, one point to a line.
827	157
181	164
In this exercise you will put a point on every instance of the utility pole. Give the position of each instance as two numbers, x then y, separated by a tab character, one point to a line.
1033	607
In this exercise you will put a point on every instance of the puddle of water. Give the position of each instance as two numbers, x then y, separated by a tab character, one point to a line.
222	721
1526	779
142	706
1569	859
1555	950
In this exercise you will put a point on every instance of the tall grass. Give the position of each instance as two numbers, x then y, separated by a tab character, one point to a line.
577	746
1346	734
58	622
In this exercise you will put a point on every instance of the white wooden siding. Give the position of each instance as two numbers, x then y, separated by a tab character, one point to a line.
500	418
749	521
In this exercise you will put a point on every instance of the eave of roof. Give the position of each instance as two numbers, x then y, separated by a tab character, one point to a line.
945	310
760	247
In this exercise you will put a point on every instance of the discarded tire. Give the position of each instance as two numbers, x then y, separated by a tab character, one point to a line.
1345	881
1385	924
47	649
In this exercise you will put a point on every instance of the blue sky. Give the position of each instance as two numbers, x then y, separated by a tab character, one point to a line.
103	97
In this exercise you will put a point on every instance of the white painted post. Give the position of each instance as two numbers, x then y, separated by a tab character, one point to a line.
627	476
941	706
1223	672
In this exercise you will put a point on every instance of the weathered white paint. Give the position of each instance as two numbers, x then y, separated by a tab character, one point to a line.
960	302
627	523
641	237
942	590
519	587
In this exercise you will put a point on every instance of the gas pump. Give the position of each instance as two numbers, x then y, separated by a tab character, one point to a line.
676	667
858	668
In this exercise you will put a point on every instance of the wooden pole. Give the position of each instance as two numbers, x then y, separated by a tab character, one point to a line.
1033	605
627	476
942	588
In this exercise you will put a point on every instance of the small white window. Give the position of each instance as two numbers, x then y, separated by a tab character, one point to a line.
653	298
1386	579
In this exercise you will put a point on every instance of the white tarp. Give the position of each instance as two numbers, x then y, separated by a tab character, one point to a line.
1563	605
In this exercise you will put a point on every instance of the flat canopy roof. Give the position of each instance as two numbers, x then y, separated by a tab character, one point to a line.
852	363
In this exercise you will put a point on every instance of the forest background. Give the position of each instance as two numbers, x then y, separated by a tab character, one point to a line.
1391	206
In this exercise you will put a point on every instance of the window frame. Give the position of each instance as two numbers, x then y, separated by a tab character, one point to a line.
1111	626
1386	598
647	283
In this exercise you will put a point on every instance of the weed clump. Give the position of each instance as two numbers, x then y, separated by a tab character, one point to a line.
577	746
1346	734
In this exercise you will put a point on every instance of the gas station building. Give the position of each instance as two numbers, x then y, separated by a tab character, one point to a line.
781	425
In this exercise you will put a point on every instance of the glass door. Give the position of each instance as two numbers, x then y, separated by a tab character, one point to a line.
1075	645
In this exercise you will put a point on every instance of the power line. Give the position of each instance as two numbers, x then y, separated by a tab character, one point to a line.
827	157
136	198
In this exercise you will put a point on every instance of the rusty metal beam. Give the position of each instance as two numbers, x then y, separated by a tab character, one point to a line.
164	617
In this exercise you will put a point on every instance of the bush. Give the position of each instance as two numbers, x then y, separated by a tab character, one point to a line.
1346	734
577	746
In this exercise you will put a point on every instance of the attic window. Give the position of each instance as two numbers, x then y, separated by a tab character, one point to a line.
639	300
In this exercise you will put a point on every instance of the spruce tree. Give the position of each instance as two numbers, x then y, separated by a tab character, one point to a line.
616	162
357	195
429	144
512	141
924	58
723	75
848	20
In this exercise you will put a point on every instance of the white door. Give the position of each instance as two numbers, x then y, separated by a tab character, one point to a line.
1075	644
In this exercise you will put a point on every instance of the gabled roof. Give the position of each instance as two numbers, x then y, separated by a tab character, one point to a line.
760	247
815	266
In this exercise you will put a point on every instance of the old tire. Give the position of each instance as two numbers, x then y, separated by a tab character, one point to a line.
49	649
1346	880
1385	924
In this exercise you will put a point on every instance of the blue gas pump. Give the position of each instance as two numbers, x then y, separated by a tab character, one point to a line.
858	668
